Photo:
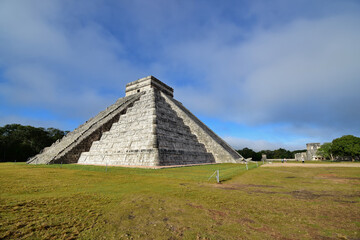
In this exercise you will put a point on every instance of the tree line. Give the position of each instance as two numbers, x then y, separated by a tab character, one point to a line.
270	154
344	148
18	142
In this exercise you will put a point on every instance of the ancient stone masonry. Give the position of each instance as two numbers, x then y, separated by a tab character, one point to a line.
69	148
219	148
311	149
145	128
310	154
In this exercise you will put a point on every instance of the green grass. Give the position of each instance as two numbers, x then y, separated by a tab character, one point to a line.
317	162
88	202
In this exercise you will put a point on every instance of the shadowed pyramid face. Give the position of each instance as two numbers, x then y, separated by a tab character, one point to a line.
145	128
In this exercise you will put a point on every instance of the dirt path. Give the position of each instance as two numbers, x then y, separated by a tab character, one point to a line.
311	165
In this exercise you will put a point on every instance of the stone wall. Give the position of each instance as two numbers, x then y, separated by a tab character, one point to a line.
221	151
131	140
311	151
147	83
69	148
177	144
310	154
300	156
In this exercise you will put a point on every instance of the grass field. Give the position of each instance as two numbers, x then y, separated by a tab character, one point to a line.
88	202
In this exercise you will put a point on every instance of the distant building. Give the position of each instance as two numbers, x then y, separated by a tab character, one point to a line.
311	151
300	156
310	154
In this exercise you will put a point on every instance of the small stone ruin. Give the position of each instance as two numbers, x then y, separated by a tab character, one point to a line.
310	154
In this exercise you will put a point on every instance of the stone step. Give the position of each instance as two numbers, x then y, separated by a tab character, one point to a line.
121	143
123	132
142	158
177	132
133	110
134	125
181	146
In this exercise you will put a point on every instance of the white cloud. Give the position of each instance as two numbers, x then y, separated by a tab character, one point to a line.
305	72
51	61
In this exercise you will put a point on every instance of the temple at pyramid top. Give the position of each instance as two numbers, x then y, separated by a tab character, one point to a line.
146	83
147	127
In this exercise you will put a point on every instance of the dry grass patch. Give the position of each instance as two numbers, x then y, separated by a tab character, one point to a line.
86	202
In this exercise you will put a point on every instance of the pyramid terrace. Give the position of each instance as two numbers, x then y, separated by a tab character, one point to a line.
147	127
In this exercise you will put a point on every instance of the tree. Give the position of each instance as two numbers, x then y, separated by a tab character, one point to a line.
269	154
298	151
282	153
346	146
55	134
249	153
326	151
18	143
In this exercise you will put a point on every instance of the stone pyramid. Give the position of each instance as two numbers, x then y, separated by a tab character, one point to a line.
147	127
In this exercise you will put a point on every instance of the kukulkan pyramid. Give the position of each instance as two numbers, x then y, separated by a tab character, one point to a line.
147	127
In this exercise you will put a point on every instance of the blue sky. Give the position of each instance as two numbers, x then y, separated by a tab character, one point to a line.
261	74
